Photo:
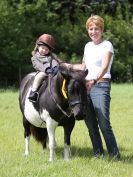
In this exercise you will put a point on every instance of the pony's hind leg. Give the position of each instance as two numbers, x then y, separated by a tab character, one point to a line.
27	134
27	139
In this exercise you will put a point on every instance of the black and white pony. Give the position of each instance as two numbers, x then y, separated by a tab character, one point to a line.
59	104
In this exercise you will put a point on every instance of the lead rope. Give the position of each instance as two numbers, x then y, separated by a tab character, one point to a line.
60	108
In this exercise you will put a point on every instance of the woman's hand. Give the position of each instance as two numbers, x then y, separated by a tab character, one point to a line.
90	83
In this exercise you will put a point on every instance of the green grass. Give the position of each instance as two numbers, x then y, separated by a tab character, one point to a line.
13	163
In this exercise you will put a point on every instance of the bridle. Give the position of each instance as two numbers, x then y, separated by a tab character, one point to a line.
71	104
74	102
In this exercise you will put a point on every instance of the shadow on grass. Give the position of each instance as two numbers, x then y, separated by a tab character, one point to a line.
127	159
81	152
84	152
126	155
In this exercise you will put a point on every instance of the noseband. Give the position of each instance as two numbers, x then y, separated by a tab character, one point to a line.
73	103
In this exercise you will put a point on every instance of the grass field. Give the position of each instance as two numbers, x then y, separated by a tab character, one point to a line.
13	163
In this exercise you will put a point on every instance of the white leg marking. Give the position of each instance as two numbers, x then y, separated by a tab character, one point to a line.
51	126
27	140
67	152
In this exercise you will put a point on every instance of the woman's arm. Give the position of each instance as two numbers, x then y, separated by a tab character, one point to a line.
75	66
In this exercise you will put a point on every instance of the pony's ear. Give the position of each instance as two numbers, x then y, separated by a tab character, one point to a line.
64	71
62	67
68	72
83	73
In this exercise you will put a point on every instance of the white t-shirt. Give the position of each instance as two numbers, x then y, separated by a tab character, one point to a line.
93	55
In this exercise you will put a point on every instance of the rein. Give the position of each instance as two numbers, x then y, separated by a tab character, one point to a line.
60	108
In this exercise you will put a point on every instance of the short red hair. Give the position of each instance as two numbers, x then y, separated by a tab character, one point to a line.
99	21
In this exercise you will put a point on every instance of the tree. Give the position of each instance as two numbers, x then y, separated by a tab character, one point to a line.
22	21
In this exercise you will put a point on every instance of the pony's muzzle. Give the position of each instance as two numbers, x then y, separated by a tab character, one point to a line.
78	112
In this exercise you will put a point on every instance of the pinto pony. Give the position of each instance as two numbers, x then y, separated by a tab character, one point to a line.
60	103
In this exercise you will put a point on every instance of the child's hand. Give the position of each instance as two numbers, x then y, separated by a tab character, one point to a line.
53	70
49	70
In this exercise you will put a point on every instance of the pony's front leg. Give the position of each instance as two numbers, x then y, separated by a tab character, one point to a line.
51	126
68	127
67	152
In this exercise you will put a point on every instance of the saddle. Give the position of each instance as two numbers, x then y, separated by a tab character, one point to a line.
50	71
43	85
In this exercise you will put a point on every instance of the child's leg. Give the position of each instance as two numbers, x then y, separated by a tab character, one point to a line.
33	97
37	80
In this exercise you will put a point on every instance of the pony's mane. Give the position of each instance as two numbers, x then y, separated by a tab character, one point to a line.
75	74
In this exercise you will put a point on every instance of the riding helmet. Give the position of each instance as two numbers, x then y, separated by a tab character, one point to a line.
46	39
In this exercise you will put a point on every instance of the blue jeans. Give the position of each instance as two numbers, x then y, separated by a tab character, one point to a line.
98	116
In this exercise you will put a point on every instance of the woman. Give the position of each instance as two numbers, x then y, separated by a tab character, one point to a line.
98	57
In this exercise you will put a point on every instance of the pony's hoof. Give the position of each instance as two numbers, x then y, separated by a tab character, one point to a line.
66	159
26	153
51	159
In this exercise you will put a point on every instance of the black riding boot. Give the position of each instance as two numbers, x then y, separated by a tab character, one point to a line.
34	95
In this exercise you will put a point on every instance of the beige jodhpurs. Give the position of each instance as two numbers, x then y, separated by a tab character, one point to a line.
37	80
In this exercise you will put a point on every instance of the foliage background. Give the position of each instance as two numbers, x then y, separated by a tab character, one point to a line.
22	21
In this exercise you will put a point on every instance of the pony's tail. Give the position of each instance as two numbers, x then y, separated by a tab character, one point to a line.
40	134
